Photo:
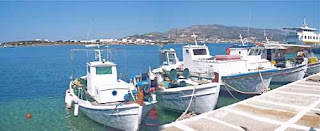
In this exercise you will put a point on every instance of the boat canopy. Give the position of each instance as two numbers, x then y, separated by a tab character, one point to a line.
289	48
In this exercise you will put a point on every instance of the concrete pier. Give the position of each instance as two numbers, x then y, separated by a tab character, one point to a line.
295	106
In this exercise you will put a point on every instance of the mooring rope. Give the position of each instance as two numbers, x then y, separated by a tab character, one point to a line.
112	114
231	93
264	84
185	112
250	93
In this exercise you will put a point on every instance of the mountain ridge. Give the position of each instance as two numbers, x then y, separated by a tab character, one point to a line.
211	33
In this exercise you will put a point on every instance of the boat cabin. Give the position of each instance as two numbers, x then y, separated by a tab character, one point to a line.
168	57
195	52
168	60
102	82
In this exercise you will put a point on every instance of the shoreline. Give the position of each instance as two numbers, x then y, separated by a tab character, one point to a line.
13	44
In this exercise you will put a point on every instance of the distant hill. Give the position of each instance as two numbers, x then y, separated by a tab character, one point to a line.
211	33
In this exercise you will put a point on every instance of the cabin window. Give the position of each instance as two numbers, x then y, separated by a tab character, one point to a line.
305	37
88	69
172	58
200	52
256	52
251	51
259	53
103	70
187	51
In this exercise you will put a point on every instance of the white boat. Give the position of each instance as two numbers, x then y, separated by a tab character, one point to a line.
289	70
273	56
104	98
305	35
235	74
182	92
313	65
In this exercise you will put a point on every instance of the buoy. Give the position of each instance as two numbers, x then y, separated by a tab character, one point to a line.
228	50
216	77
28	115
76	109
68	99
140	98
154	97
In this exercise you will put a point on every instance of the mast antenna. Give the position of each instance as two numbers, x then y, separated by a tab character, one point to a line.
195	38
240	36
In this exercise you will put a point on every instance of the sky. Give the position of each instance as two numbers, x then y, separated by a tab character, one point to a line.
78	20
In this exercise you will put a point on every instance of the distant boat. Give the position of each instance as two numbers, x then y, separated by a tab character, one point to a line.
92	45
5	46
179	91
306	36
104	98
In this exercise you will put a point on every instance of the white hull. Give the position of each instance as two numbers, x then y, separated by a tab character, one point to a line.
204	100
248	83
313	68
126	118
290	74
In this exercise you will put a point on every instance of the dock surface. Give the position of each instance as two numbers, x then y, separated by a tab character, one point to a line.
295	106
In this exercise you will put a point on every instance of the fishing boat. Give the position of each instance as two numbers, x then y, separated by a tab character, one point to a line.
104	98
254	54
288	70
313	65
179	91
306	35
271	55
235	74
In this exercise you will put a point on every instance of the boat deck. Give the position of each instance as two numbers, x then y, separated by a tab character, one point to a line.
295	106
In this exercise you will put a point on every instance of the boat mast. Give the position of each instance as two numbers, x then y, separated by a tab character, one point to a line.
305	22
265	36
241	39
195	38
98	54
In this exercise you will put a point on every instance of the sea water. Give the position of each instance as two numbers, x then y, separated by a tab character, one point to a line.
34	79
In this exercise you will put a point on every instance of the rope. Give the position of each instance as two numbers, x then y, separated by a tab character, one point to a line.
231	93
250	93
185	112
112	113
264	84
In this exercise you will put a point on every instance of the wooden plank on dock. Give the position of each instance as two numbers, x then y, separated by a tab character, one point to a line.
295	106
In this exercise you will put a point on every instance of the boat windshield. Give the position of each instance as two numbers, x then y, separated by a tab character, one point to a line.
200	52
103	70
172	58
168	58
255	52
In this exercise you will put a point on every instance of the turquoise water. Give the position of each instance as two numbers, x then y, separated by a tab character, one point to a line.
34	79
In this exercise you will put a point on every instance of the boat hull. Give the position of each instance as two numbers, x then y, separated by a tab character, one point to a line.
290	74
313	68
248	83
120	118
204	100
